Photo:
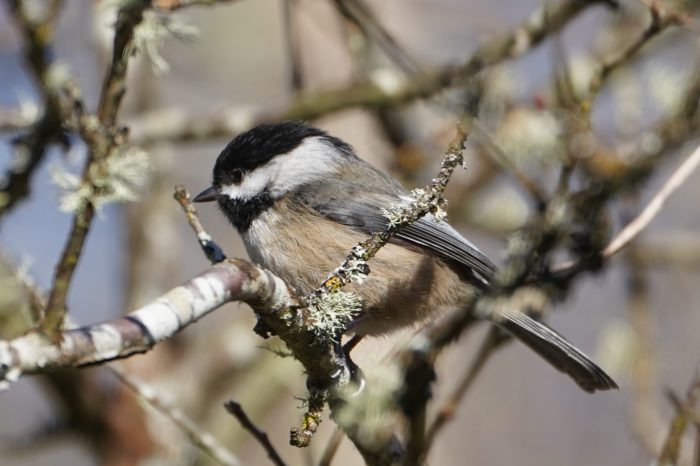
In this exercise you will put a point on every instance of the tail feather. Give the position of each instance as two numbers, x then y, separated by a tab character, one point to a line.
556	350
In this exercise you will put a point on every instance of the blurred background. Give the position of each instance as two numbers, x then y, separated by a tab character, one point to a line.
217	70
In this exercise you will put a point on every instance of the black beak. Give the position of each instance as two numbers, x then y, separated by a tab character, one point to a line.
208	195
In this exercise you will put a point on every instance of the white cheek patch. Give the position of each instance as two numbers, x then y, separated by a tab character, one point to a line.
253	184
313	159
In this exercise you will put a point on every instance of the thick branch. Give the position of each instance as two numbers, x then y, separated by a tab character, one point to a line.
144	328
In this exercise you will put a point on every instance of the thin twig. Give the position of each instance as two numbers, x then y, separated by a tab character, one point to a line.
493	340
212	250
200	438
172	5
660	20
237	411
361	15
675	181
652	209
128	17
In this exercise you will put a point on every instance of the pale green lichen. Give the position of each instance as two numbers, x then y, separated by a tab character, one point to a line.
117	178
155	29
332	312
403	213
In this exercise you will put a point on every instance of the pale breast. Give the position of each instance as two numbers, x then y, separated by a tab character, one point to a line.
404	287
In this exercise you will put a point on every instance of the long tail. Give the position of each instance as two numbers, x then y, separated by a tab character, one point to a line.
556	350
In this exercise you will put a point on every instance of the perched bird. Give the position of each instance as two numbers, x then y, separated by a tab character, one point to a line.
301	199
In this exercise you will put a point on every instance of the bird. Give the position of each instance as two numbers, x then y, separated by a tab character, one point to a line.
301	198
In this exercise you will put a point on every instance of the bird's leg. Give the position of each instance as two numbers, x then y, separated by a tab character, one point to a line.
356	375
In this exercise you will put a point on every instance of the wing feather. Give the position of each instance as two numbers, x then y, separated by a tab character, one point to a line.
361	210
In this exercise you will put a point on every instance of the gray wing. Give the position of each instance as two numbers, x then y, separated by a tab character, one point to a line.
349	203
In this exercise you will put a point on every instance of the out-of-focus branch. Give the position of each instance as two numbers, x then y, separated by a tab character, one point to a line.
12	120
102	139
652	209
645	421
685	414
361	15
32	147
203	440
170	126
128	17
236	411
670	249
331	448
493	340
293	45
660	19
172	5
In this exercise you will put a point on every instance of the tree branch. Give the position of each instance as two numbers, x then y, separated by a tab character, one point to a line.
142	329
32	147
102	141
236	411
169	125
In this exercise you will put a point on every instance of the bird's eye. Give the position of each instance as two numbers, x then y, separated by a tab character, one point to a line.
237	176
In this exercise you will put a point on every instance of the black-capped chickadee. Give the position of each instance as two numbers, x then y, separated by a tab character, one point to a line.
301	199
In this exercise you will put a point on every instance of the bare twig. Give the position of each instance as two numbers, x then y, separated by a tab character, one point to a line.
209	247
652	209
493	340
419	374
237	411
201	439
